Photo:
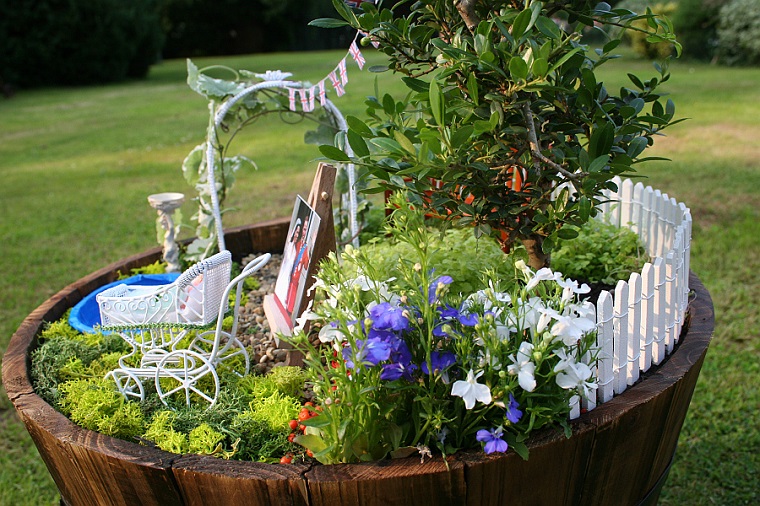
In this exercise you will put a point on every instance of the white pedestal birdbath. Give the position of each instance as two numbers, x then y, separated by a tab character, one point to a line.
165	204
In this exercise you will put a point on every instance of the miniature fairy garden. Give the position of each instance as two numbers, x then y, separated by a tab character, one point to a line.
473	311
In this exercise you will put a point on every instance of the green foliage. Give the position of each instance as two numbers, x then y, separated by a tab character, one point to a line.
638	39
739	33
161	432
503	105
157	267
248	421
87	42
448	247
602	253
65	355
289	380
95	404
696	23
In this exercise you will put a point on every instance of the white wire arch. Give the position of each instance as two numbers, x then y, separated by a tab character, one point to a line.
278	82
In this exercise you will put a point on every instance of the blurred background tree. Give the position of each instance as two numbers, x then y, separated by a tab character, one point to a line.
77	42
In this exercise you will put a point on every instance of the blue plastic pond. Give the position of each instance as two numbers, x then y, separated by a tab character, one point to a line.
86	315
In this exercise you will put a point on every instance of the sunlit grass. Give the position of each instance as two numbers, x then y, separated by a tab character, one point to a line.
78	163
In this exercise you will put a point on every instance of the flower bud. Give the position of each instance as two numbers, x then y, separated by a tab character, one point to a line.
418	267
537	356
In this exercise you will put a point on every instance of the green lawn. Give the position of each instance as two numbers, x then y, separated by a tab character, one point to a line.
77	165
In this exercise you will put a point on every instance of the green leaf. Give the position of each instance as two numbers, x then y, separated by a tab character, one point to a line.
192	164
601	140
387	145
404	142
415	84
436	102
548	27
357	143
461	135
564	58
540	67
520	24
567	233
598	163
637	146
328	23
345	12
333	153
311	441
359	126
472	88
584	208
518	69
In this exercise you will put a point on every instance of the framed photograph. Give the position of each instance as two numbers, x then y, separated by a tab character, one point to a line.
296	259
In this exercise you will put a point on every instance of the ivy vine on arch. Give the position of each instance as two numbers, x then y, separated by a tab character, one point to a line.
234	104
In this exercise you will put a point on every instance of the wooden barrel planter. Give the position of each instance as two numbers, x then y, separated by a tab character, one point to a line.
619	453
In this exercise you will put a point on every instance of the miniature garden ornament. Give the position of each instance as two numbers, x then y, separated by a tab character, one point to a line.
506	127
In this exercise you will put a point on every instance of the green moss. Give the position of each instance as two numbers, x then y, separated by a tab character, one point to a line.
248	421
95	404
205	441
161	432
288	380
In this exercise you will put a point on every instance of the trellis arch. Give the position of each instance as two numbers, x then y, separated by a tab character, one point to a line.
270	80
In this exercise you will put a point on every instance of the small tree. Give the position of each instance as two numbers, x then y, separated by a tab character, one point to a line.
505	127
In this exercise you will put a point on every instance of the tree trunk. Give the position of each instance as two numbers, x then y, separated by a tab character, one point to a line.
537	259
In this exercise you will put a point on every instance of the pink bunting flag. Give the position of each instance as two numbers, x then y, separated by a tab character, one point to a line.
343	72
356	54
322	94
291	99
312	92
336	84
304	100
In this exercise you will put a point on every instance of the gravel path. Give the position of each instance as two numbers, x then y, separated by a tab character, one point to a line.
253	328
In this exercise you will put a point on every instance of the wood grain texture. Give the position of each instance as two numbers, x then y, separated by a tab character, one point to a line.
208	481
388	483
617	452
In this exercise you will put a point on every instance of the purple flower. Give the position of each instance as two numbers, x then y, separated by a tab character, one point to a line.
369	352
468	320
513	414
492	439
388	317
393	372
436	285
440	361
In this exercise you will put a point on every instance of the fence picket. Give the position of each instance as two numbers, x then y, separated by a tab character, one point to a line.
647	315
620	357
642	323
626	203
670	312
604	341
634	327
637	203
660	324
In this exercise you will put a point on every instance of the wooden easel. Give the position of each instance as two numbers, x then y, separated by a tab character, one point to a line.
320	199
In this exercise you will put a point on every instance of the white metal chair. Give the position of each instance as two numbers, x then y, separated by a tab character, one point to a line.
157	322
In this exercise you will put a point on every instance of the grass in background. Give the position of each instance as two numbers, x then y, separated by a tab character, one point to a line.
78	163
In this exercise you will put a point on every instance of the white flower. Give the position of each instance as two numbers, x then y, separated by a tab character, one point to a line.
564	360
575	377
523	367
471	391
330	333
543	274
569	330
570	288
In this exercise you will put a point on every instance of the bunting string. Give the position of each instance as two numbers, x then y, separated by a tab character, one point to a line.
338	79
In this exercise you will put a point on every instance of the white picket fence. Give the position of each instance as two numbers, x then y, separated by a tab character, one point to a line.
644	322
